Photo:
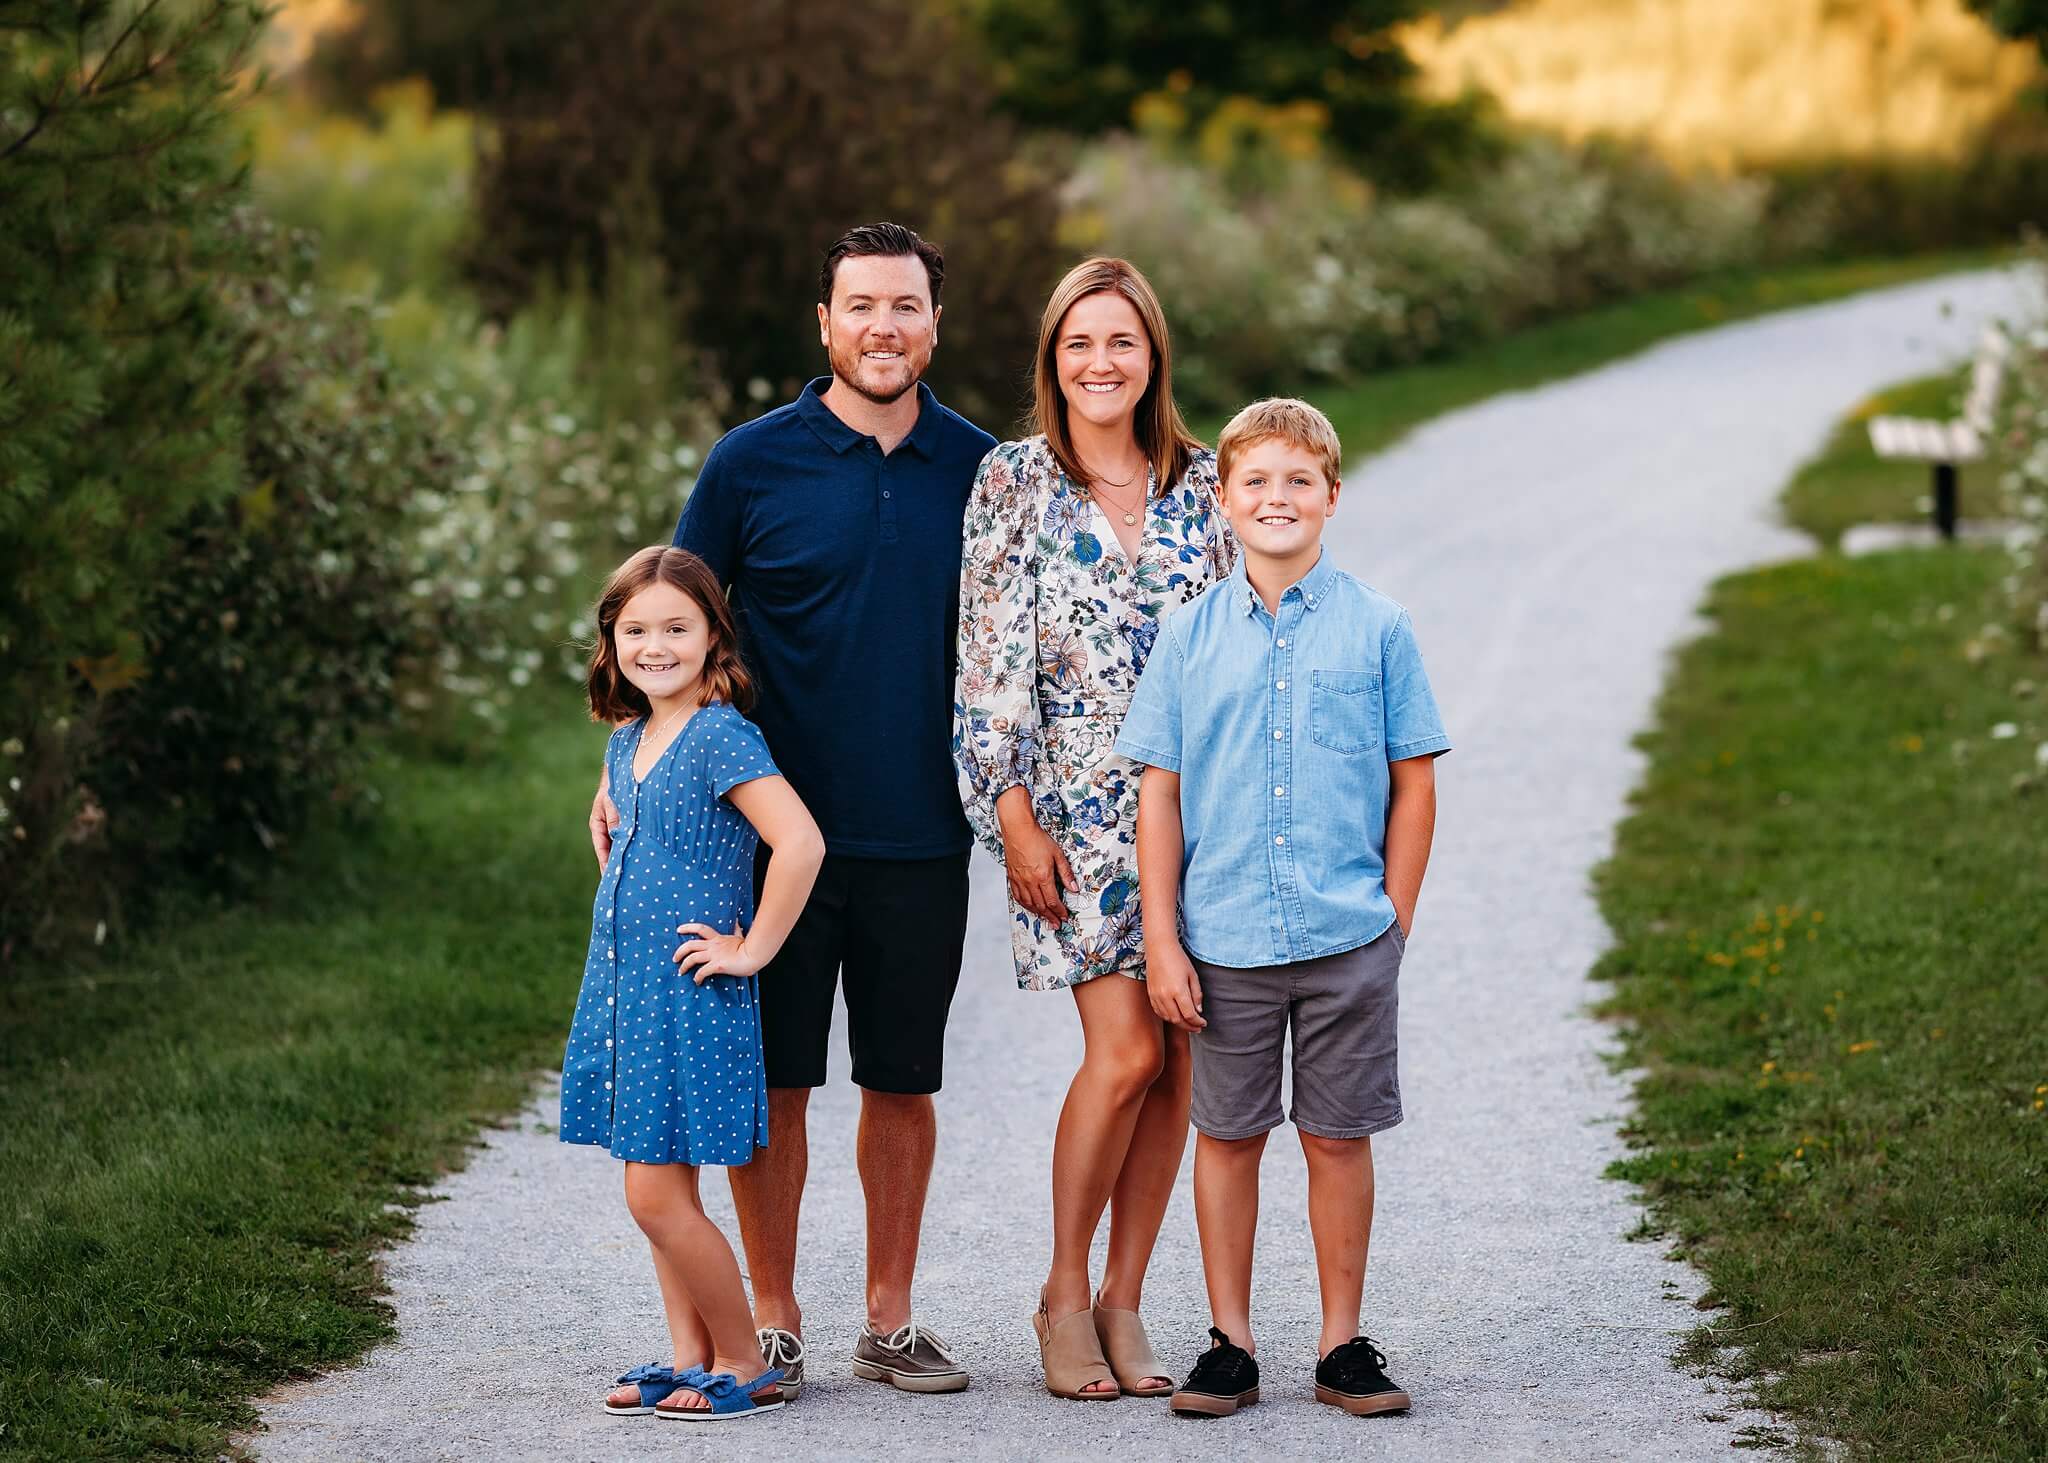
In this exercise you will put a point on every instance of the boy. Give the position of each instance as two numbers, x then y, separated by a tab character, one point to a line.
1284	822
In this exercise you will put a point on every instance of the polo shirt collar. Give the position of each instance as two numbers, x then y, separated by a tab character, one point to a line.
1314	585
810	405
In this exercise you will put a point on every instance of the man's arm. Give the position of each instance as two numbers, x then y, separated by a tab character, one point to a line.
1170	979
1411	825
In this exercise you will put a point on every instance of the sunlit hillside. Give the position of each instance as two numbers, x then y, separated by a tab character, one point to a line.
1738	80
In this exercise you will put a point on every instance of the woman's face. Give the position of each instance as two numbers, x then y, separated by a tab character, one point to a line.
1104	359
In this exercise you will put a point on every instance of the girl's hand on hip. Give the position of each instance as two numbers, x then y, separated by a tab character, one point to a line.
1037	870
709	953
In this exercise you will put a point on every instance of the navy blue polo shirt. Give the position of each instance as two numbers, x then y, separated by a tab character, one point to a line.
844	569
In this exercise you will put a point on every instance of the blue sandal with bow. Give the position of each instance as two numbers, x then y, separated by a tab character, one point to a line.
728	1396
655	1381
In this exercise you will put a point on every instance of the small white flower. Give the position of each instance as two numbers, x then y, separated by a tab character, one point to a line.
2004	731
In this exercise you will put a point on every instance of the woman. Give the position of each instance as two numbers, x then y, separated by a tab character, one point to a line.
1078	540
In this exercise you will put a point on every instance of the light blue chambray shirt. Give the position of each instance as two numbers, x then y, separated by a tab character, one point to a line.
1281	728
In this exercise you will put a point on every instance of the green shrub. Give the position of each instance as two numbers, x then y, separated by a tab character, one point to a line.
1304	275
759	133
388	194
281	628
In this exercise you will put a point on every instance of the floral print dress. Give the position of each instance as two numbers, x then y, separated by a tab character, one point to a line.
1055	628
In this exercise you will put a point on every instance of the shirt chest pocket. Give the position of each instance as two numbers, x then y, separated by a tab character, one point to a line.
1344	710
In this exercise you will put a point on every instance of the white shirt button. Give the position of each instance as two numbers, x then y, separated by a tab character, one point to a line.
1278	734
1279	837
607	1086
1279	792
1281	642
611	954
1280	685
607	1043
611	1000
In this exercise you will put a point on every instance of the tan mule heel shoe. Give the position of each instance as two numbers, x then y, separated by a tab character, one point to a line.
1072	1355
1130	1354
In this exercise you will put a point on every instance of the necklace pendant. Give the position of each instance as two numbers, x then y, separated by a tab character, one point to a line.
1131	519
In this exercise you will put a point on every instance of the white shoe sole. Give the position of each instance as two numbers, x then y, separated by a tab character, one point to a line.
910	1381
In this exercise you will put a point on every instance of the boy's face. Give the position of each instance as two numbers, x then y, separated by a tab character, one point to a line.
1277	499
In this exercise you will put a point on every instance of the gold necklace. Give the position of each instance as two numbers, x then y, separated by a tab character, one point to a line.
1095	486
647	737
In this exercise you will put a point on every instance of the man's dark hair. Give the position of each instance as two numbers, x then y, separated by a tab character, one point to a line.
888	240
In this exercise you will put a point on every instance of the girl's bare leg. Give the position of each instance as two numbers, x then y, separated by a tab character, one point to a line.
688	1335
664	1203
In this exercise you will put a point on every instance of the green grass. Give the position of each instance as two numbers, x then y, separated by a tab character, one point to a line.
205	1133
1830	934
220	1115
1379	409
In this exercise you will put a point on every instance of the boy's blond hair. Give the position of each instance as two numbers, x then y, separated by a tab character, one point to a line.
1292	421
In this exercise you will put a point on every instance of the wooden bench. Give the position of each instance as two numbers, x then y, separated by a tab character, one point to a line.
1949	444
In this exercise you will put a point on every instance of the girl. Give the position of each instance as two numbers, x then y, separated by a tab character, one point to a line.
663	1065
1079	539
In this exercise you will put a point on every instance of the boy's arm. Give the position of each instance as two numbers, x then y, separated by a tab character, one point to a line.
1411	825
1170	980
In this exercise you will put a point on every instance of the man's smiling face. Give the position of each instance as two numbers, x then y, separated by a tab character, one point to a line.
1278	499
880	328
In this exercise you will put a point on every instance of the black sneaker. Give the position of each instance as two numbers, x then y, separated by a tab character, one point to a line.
1225	1378
1354	1377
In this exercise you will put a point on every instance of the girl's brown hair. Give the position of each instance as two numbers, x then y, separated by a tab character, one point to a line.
613	698
1162	436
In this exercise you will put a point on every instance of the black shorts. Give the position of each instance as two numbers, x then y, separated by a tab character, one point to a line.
897	928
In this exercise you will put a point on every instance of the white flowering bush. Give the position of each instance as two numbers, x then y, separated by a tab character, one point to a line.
1294	271
2024	483
557	479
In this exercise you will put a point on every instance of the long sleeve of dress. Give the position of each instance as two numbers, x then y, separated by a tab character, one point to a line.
995	692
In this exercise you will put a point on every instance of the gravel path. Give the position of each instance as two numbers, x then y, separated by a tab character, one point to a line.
1552	546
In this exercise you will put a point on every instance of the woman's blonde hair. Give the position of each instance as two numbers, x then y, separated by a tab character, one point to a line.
1162	435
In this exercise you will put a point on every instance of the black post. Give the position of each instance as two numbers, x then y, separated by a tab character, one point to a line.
1945	499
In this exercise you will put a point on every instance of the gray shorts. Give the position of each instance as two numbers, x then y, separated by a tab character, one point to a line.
1342	1009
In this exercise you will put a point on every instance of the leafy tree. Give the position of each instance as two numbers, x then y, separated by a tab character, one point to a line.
117	416
1077	66
205	473
737	141
471	52
2020	19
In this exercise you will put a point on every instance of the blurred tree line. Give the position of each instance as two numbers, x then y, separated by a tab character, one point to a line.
2025	20
737	141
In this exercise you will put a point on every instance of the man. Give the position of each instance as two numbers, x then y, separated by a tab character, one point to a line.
834	523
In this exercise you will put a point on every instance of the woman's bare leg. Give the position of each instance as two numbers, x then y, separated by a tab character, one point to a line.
1124	1056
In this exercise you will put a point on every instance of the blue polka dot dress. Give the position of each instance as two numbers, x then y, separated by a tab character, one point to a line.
658	1068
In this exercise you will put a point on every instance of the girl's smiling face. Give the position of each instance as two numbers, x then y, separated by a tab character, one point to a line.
661	638
1104	359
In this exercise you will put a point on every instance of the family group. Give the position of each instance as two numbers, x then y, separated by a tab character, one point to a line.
1202	753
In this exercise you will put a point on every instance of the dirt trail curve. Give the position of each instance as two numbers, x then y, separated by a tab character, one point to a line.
1553	546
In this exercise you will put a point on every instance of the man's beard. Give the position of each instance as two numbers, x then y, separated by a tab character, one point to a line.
848	365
